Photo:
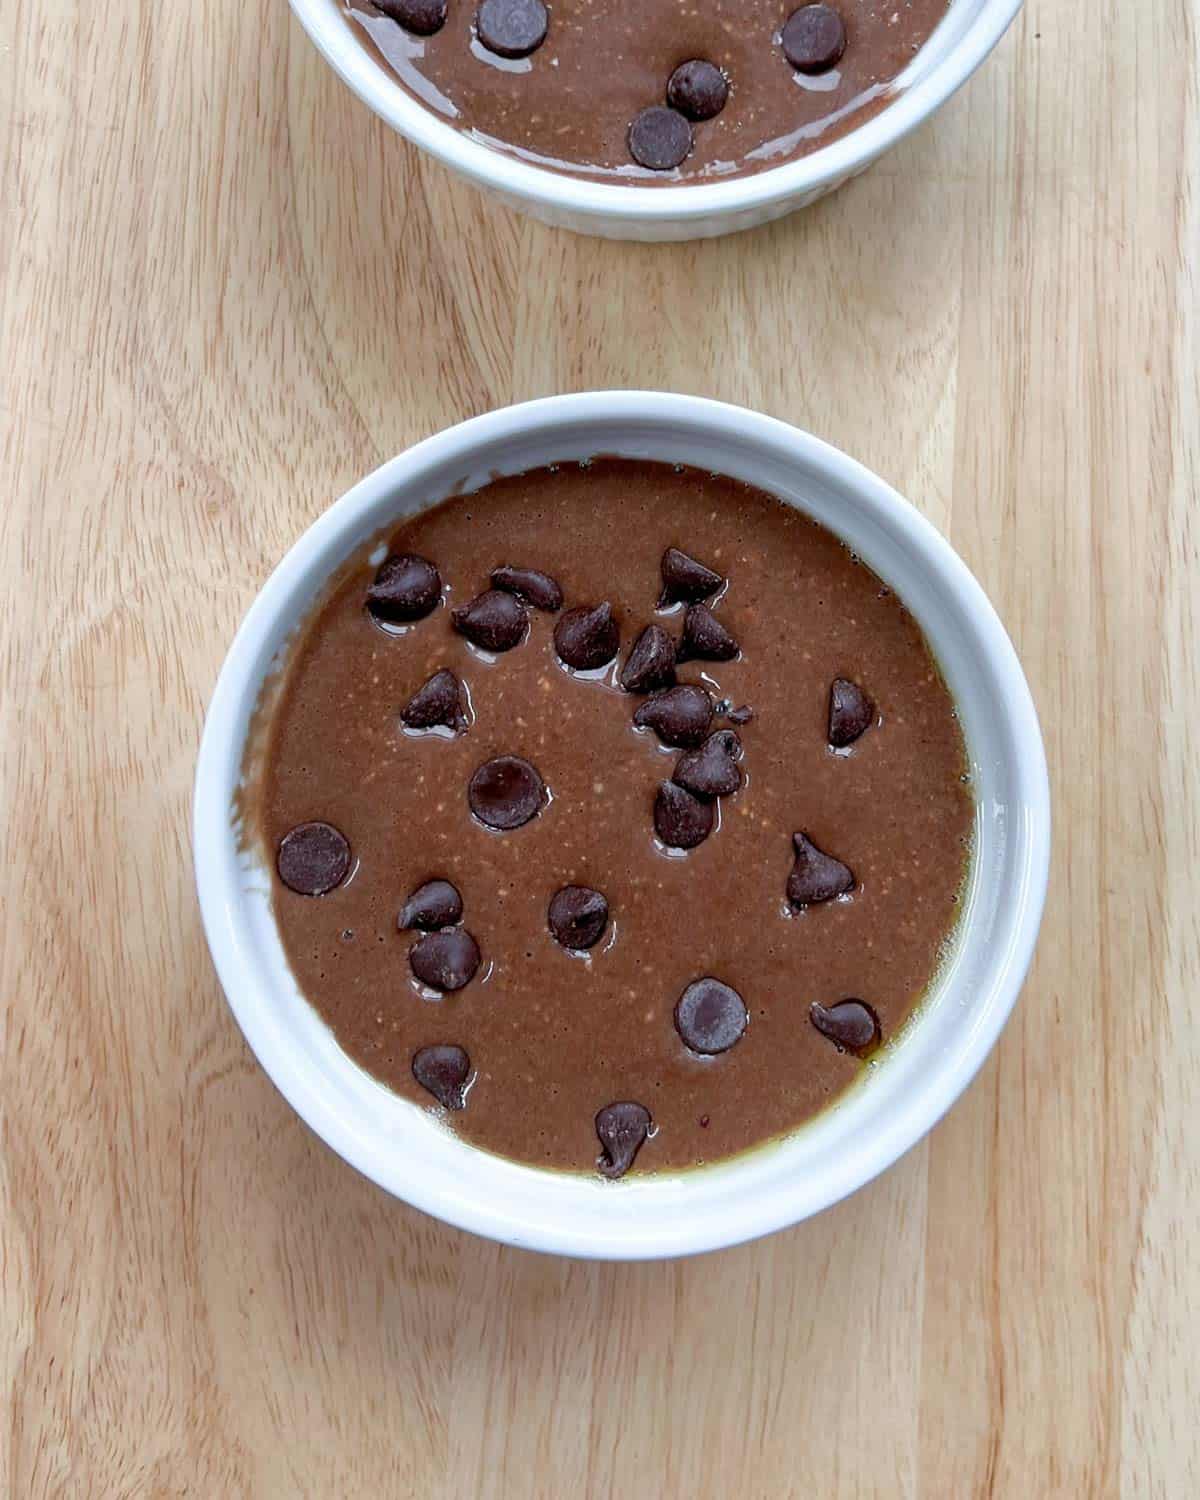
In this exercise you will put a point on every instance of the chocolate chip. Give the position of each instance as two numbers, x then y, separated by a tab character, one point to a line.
816	876
445	960
444	1071
681	820
704	637
432	905
512	28
712	770
436	701
814	38
494	620
538	589
313	858
685	581
577	916
741	715
587	636
651	663
680	716
697	89
421	17
406	588
852	1024
710	1016
622	1129
851	713
506	792
659	138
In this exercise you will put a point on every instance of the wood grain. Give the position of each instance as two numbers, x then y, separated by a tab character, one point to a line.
227	293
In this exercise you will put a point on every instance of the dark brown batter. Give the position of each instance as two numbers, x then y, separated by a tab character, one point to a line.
553	1035
570	103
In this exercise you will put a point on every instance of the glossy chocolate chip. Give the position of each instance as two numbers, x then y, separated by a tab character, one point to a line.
438	701
313	858
659	138
697	89
685	581
710	1016
494	620
650	666
622	1129
512	28
506	792
445	960
538	589
587	637
814	38
852	1024
740	715
432	905
851	713
406	587
421	17
680	717
712	770
704	637
577	916
444	1071
681	820
816	876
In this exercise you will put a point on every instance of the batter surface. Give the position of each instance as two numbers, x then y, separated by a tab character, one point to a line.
449	801
572	101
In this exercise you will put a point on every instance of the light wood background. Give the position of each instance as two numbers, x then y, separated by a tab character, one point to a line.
227	292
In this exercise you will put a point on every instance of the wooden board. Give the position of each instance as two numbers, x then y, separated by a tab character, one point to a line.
228	292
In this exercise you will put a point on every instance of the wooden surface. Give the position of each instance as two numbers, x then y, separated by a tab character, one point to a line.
227	293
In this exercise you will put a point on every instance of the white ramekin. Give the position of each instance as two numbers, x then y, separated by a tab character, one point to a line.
969	32
403	1147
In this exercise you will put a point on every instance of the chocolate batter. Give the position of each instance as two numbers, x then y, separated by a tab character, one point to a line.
735	86
491	898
